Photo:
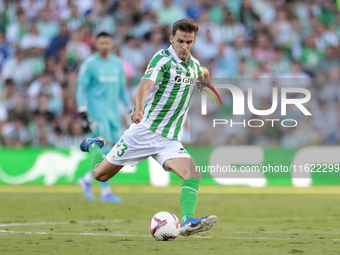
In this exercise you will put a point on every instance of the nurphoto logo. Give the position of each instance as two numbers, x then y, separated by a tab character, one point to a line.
238	105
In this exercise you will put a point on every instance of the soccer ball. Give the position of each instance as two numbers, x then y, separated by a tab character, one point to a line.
164	226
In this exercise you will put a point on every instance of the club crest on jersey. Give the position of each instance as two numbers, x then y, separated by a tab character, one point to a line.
185	80
149	70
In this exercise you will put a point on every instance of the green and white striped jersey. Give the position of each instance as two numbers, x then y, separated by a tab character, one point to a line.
166	106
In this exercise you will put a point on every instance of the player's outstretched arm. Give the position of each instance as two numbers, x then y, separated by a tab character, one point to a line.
141	94
204	78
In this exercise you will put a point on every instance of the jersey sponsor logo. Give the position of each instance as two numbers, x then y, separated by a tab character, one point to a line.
178	78
149	70
182	151
103	78
185	80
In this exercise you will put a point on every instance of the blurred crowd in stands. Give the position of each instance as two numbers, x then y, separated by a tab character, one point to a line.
258	43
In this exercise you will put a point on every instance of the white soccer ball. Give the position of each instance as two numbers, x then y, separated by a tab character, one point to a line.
164	226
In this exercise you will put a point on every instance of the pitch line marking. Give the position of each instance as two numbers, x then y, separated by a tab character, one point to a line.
117	220
6	232
57	223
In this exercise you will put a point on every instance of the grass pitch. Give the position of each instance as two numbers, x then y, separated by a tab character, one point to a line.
273	220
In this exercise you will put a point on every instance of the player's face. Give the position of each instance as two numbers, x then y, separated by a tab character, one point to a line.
104	45
182	43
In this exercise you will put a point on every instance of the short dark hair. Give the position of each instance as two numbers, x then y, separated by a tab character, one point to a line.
9	82
185	25
103	34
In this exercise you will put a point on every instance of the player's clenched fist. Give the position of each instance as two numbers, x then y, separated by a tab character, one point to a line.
137	116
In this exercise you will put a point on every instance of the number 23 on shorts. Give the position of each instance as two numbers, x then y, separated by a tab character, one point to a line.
122	150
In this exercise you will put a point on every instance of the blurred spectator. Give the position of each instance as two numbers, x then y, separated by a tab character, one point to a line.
43	105
70	107
33	39
7	14
217	11
282	28
141	25
16	30
48	86
248	16
59	41
84	6
264	51
296	72
329	90
87	37
310	56
39	131
169	13
207	47
267	10
17	69
150	5
51	67
281	64
7	93
206	24
15	133
6	51
302	135
226	62
32	7
3	116
19	110
329	61
326	120
77	50
242	51
324	37
134	54
231	29
63	63
75	21
76	135
35	61
195	9
101	20
46	26
305	9
155	43
59	139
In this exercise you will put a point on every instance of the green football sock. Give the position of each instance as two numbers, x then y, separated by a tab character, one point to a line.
96	155
189	195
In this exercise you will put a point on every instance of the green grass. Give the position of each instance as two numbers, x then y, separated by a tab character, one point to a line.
273	220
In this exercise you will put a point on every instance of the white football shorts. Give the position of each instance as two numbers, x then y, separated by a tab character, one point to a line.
138	143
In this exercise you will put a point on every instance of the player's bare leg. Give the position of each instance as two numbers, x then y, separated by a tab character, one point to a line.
185	168
103	170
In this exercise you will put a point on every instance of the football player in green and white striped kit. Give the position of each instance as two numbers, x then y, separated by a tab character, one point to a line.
162	102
